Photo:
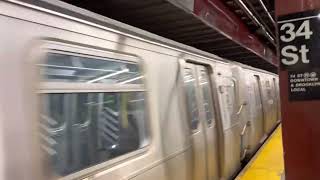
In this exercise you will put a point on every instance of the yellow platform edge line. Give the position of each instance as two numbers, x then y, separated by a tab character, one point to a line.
267	163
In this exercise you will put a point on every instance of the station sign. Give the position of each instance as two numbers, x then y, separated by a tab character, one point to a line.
299	43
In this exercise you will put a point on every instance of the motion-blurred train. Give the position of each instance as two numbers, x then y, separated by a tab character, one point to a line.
86	97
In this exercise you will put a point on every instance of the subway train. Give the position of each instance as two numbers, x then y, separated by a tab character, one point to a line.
86	97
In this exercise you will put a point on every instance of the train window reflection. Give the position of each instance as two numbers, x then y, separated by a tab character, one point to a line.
207	97
70	68
83	129
190	89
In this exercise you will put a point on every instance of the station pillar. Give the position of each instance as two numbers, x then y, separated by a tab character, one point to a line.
298	24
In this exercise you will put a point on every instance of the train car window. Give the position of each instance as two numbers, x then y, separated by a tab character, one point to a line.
190	88
69	68
207	96
83	128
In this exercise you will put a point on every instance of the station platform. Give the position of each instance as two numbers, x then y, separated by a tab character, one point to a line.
268	162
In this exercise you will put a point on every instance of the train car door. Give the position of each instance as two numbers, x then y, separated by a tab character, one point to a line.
243	114
277	96
197	87
209	121
266	108
258	109
250	126
274	100
268	93
229	124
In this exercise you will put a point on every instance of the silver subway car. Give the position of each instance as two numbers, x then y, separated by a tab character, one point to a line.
86	97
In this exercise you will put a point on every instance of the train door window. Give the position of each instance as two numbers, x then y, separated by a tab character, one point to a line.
92	110
230	96
257	88
270	94
227	96
250	96
190	90
276	89
207	96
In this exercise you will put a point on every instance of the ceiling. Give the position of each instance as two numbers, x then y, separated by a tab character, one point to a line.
263	11
165	19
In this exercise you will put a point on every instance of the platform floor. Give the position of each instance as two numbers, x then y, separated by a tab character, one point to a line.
268	163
